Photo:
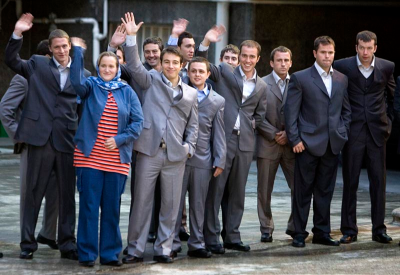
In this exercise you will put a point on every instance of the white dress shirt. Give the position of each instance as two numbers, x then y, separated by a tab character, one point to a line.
281	83
248	88
366	72
326	77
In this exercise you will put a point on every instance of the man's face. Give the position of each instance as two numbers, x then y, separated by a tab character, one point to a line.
230	58
366	50
281	63
171	66
198	74
324	56
187	49
248	58
120	57
60	48
152	54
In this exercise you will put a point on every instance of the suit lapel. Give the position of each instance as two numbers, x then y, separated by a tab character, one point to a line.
274	87
239	81
334	83
208	99
285	93
54	71
377	73
318	80
257	88
354	72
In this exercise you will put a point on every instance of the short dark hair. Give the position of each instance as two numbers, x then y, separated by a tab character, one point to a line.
251	44
43	48
281	49
200	59
324	40
366	36
58	33
103	54
122	51
229	48
171	50
154	40
183	36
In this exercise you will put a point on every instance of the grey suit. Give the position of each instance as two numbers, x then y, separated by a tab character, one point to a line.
270	154
229	187
11	106
174	120
210	152
322	123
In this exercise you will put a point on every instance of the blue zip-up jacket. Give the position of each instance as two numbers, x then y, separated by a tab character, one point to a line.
94	99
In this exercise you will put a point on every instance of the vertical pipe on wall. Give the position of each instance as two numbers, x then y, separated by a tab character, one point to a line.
222	18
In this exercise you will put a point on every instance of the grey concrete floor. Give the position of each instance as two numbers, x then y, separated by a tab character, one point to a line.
364	256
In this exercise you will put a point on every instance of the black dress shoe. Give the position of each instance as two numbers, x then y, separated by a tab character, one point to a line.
298	242
125	252
70	255
184	236
163	259
1	255
51	243
216	249
200	253
151	238
129	259
87	263
174	253
266	238
113	263
26	254
290	233
346	239
325	240
237	246
381	238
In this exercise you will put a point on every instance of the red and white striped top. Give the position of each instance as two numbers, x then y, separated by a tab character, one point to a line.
101	158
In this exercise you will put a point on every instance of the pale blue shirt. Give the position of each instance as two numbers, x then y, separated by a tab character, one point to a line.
202	94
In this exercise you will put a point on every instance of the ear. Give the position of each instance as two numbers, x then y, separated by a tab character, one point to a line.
50	49
271	63
315	53
375	48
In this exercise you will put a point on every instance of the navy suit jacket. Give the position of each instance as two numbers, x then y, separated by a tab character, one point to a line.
312	116
49	112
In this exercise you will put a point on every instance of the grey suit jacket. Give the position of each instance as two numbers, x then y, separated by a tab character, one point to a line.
176	122
273	123
11	105
315	118
211	144
229	84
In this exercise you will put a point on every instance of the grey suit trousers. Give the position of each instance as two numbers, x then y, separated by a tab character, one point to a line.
266	172
228	190
196	182
50	213
171	176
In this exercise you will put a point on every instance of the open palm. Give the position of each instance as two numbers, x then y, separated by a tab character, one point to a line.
130	25
24	23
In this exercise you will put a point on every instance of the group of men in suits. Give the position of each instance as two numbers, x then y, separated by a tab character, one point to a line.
200	134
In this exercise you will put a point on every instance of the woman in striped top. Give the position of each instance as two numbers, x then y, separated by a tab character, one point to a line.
111	120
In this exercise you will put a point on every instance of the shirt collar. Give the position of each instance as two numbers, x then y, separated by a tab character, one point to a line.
169	83
58	65
359	63
277	78
244	76
206	91
322	71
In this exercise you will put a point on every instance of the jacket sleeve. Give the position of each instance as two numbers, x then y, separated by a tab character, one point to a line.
292	110
397	100
11	102
77	74
135	121
22	67
218	138
135	68
192	128
346	110
389	91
